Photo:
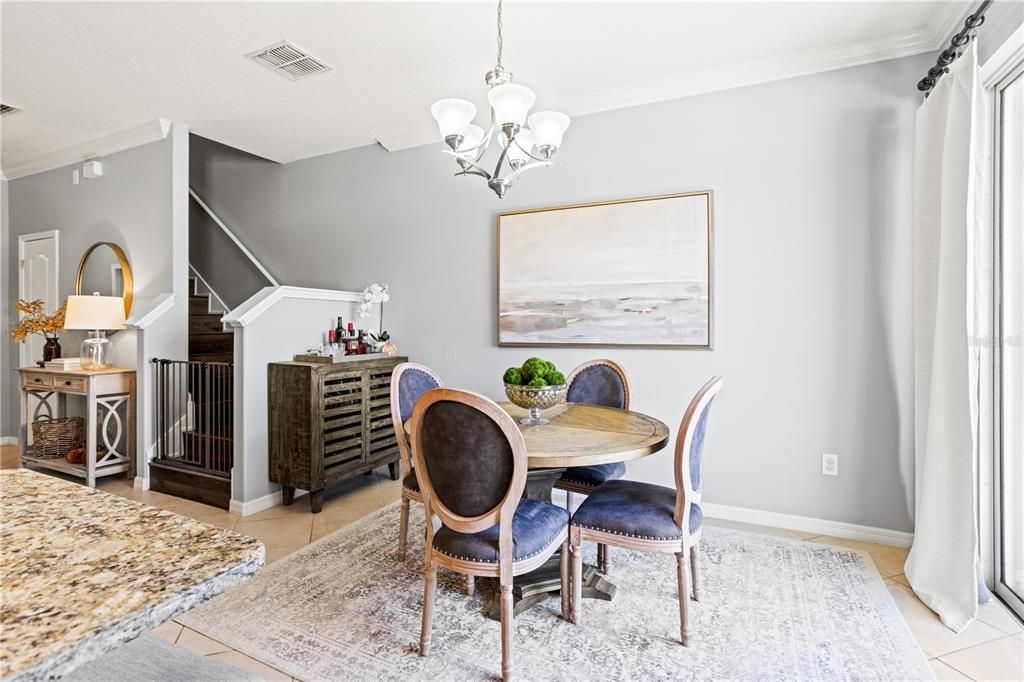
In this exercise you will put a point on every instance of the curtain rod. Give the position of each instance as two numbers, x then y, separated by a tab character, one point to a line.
951	53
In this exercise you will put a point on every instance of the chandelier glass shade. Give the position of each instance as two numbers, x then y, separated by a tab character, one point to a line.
525	140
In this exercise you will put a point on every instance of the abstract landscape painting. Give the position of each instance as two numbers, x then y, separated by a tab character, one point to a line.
624	273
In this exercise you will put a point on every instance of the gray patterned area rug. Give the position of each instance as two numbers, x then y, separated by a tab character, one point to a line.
344	608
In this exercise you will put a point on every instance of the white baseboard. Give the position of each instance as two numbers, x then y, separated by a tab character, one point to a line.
807	524
9	440
257	505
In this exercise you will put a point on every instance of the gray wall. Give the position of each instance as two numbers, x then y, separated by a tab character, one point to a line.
812	180
1001	19
133	205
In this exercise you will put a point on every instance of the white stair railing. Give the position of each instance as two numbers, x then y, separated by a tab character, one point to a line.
231	235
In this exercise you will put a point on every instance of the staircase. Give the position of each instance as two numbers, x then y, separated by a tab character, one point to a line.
195	411
207	340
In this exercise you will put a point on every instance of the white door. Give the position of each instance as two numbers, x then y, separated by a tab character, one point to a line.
39	270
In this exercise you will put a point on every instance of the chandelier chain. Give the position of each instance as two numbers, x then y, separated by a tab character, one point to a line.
500	44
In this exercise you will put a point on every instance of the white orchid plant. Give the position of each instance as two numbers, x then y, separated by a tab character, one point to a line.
375	294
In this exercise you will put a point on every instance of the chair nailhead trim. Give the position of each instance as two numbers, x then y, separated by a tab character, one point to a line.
587	484
485	561
627	535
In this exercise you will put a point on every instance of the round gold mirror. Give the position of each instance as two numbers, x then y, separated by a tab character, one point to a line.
107	272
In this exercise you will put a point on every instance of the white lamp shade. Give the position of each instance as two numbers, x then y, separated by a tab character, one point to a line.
473	136
548	128
453	116
511	103
523	143
94	313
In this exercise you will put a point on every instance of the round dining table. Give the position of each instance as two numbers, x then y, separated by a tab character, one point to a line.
575	435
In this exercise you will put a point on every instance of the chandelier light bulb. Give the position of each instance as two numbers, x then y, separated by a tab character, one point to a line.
453	117
471	139
519	150
511	103
548	128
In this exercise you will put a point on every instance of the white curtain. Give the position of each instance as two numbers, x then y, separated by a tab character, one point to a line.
950	171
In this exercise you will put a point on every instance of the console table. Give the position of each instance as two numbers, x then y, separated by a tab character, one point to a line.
106	390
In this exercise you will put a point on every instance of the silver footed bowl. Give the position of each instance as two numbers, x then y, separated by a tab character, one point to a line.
535	399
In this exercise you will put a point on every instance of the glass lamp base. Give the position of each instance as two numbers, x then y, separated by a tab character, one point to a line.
534	418
96	351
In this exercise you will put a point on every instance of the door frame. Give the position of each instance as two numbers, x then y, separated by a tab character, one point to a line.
1005	66
23	359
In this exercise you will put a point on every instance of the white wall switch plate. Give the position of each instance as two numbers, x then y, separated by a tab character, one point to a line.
829	464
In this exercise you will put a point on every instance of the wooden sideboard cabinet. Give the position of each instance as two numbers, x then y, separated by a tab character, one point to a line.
329	422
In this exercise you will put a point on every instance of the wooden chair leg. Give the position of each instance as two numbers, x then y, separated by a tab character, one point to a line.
470	585
684	599
695	571
403	528
429	583
566	583
603	564
506	631
577	582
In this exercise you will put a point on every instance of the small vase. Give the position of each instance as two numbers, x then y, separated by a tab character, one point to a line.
51	350
390	348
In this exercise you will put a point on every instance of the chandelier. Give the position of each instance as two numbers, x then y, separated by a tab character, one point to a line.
527	140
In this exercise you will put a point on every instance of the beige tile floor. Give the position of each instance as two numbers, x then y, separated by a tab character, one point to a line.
991	648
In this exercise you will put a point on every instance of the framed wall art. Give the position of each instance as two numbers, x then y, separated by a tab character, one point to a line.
635	272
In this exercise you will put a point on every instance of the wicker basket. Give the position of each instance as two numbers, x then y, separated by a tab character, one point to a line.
52	438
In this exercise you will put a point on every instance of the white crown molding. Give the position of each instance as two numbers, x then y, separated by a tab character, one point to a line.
151	131
926	39
807	524
152	312
943	25
267	297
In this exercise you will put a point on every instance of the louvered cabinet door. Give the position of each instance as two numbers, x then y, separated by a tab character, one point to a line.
327	423
381	445
343	428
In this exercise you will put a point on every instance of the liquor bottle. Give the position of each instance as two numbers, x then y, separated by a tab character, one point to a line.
339	332
351	342
331	346
362	342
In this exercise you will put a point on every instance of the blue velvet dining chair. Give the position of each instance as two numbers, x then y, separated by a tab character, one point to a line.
470	458
653	518
408	382
604	383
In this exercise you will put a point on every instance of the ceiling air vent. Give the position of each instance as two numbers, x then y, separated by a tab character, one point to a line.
7	109
288	60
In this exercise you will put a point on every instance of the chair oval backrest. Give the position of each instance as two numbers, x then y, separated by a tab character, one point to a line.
599	382
470	458
690	447
408	382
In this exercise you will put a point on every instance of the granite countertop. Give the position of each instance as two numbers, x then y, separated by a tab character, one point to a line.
82	571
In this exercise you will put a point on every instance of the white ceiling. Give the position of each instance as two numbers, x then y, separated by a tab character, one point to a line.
83	70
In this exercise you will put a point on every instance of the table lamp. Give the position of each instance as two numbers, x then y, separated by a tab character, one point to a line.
97	314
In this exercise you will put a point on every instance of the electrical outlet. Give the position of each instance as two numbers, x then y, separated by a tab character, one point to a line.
829	464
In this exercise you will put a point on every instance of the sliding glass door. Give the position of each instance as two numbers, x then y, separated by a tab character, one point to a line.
1009	316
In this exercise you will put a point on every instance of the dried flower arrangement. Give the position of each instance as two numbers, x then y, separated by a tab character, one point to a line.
35	321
